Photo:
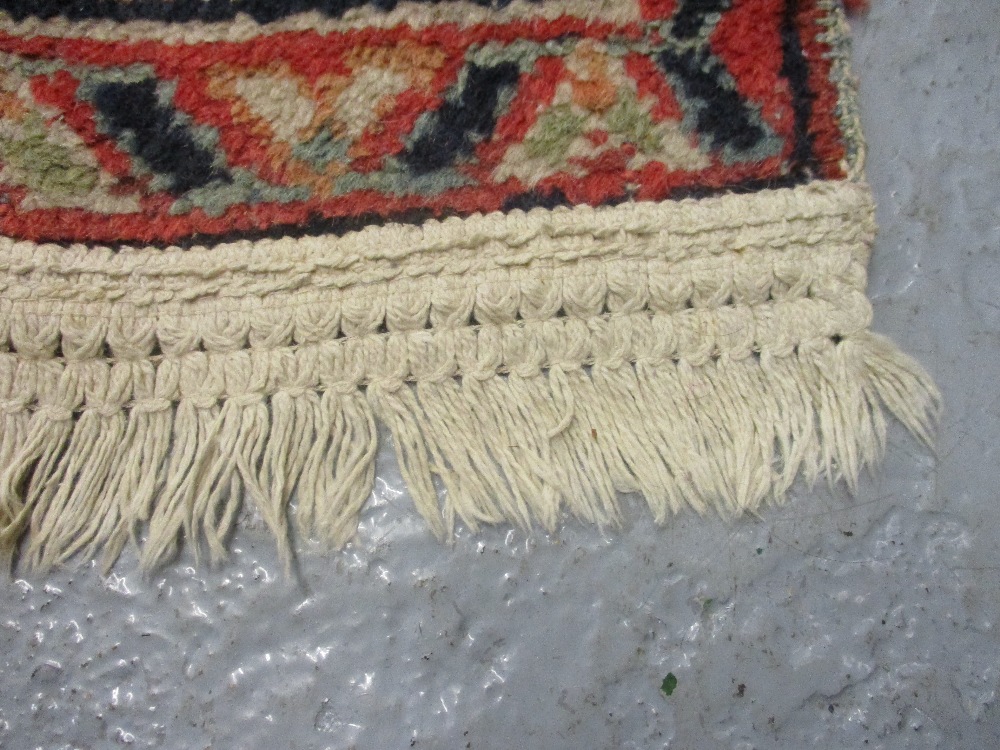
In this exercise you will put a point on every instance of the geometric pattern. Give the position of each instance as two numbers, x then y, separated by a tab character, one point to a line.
299	132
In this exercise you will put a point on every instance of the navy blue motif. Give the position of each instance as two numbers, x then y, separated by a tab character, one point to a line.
167	148
181	11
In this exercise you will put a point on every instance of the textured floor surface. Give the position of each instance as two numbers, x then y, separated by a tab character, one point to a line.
836	622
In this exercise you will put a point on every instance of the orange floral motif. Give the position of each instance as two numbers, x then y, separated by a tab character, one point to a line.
589	74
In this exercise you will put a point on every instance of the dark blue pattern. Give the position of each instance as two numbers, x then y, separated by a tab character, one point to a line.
164	146
180	11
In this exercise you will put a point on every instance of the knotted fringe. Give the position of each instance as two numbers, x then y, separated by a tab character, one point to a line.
526	447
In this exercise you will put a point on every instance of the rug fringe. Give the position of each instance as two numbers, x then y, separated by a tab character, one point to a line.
726	435
527	447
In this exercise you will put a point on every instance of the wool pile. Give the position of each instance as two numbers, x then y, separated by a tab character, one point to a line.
555	250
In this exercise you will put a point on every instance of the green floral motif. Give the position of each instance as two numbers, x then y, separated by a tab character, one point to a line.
554	133
46	167
633	123
627	121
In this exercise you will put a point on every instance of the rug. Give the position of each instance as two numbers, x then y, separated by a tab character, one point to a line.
555	250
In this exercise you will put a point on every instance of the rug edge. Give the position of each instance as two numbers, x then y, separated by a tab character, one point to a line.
707	381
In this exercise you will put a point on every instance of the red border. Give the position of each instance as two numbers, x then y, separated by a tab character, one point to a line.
824	125
311	55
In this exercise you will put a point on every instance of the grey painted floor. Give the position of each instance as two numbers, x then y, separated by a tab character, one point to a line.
835	622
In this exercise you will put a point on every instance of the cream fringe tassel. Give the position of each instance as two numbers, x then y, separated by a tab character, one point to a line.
726	435
701	353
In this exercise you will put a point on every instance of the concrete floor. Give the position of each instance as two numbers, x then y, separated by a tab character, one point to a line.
835	622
